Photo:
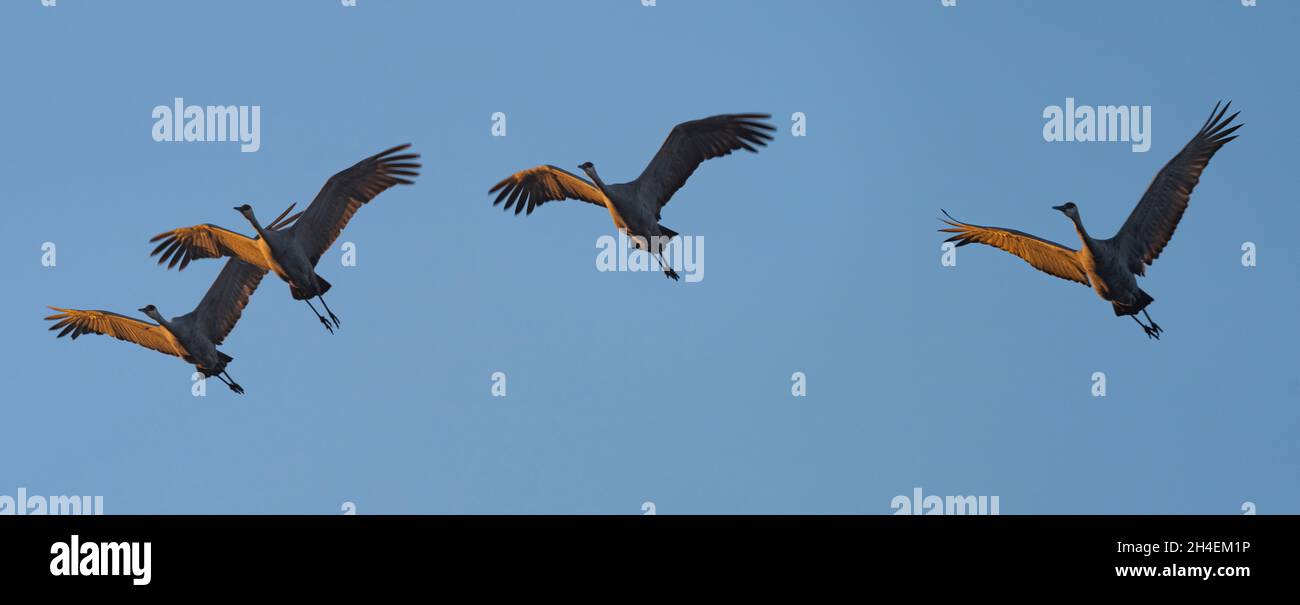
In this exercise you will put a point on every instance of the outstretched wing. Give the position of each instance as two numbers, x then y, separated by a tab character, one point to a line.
347	191
691	143
77	322
1048	257
1152	223
205	241
221	307
210	241
536	186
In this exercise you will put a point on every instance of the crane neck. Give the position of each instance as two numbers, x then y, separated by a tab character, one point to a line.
1083	233
256	225
595	178
156	316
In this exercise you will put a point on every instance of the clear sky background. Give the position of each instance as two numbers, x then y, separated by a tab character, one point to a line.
821	257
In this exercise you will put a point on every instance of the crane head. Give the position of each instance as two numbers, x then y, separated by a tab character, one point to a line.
1068	209
244	210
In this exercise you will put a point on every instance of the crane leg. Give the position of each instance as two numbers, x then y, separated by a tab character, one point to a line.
230	383
318	316
1154	325
1151	333
668	269
333	317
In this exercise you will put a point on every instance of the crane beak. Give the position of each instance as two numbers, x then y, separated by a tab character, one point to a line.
142	310
1059	208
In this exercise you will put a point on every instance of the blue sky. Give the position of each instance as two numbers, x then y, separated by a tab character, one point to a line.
822	257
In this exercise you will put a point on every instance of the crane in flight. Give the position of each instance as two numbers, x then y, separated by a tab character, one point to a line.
193	336
293	252
1111	266
635	206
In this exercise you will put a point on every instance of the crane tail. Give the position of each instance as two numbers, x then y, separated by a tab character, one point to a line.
322	287
1143	299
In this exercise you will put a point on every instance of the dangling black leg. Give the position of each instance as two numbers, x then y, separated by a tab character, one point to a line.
232	384
327	310
318	316
668	269
1145	328
1154	325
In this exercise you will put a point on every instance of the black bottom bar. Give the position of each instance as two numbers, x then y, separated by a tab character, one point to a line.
324	551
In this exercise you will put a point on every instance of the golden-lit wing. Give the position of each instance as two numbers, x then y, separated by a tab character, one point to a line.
691	144
1152	223
347	191
224	302
1048	257
77	322
206	241
528	189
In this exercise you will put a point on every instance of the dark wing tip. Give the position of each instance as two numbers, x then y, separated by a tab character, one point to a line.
1216	116
392	150
160	247
1225	135
289	221
504	182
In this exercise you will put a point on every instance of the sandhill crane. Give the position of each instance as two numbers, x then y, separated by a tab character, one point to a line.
635	206
292	253
193	337
1110	266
